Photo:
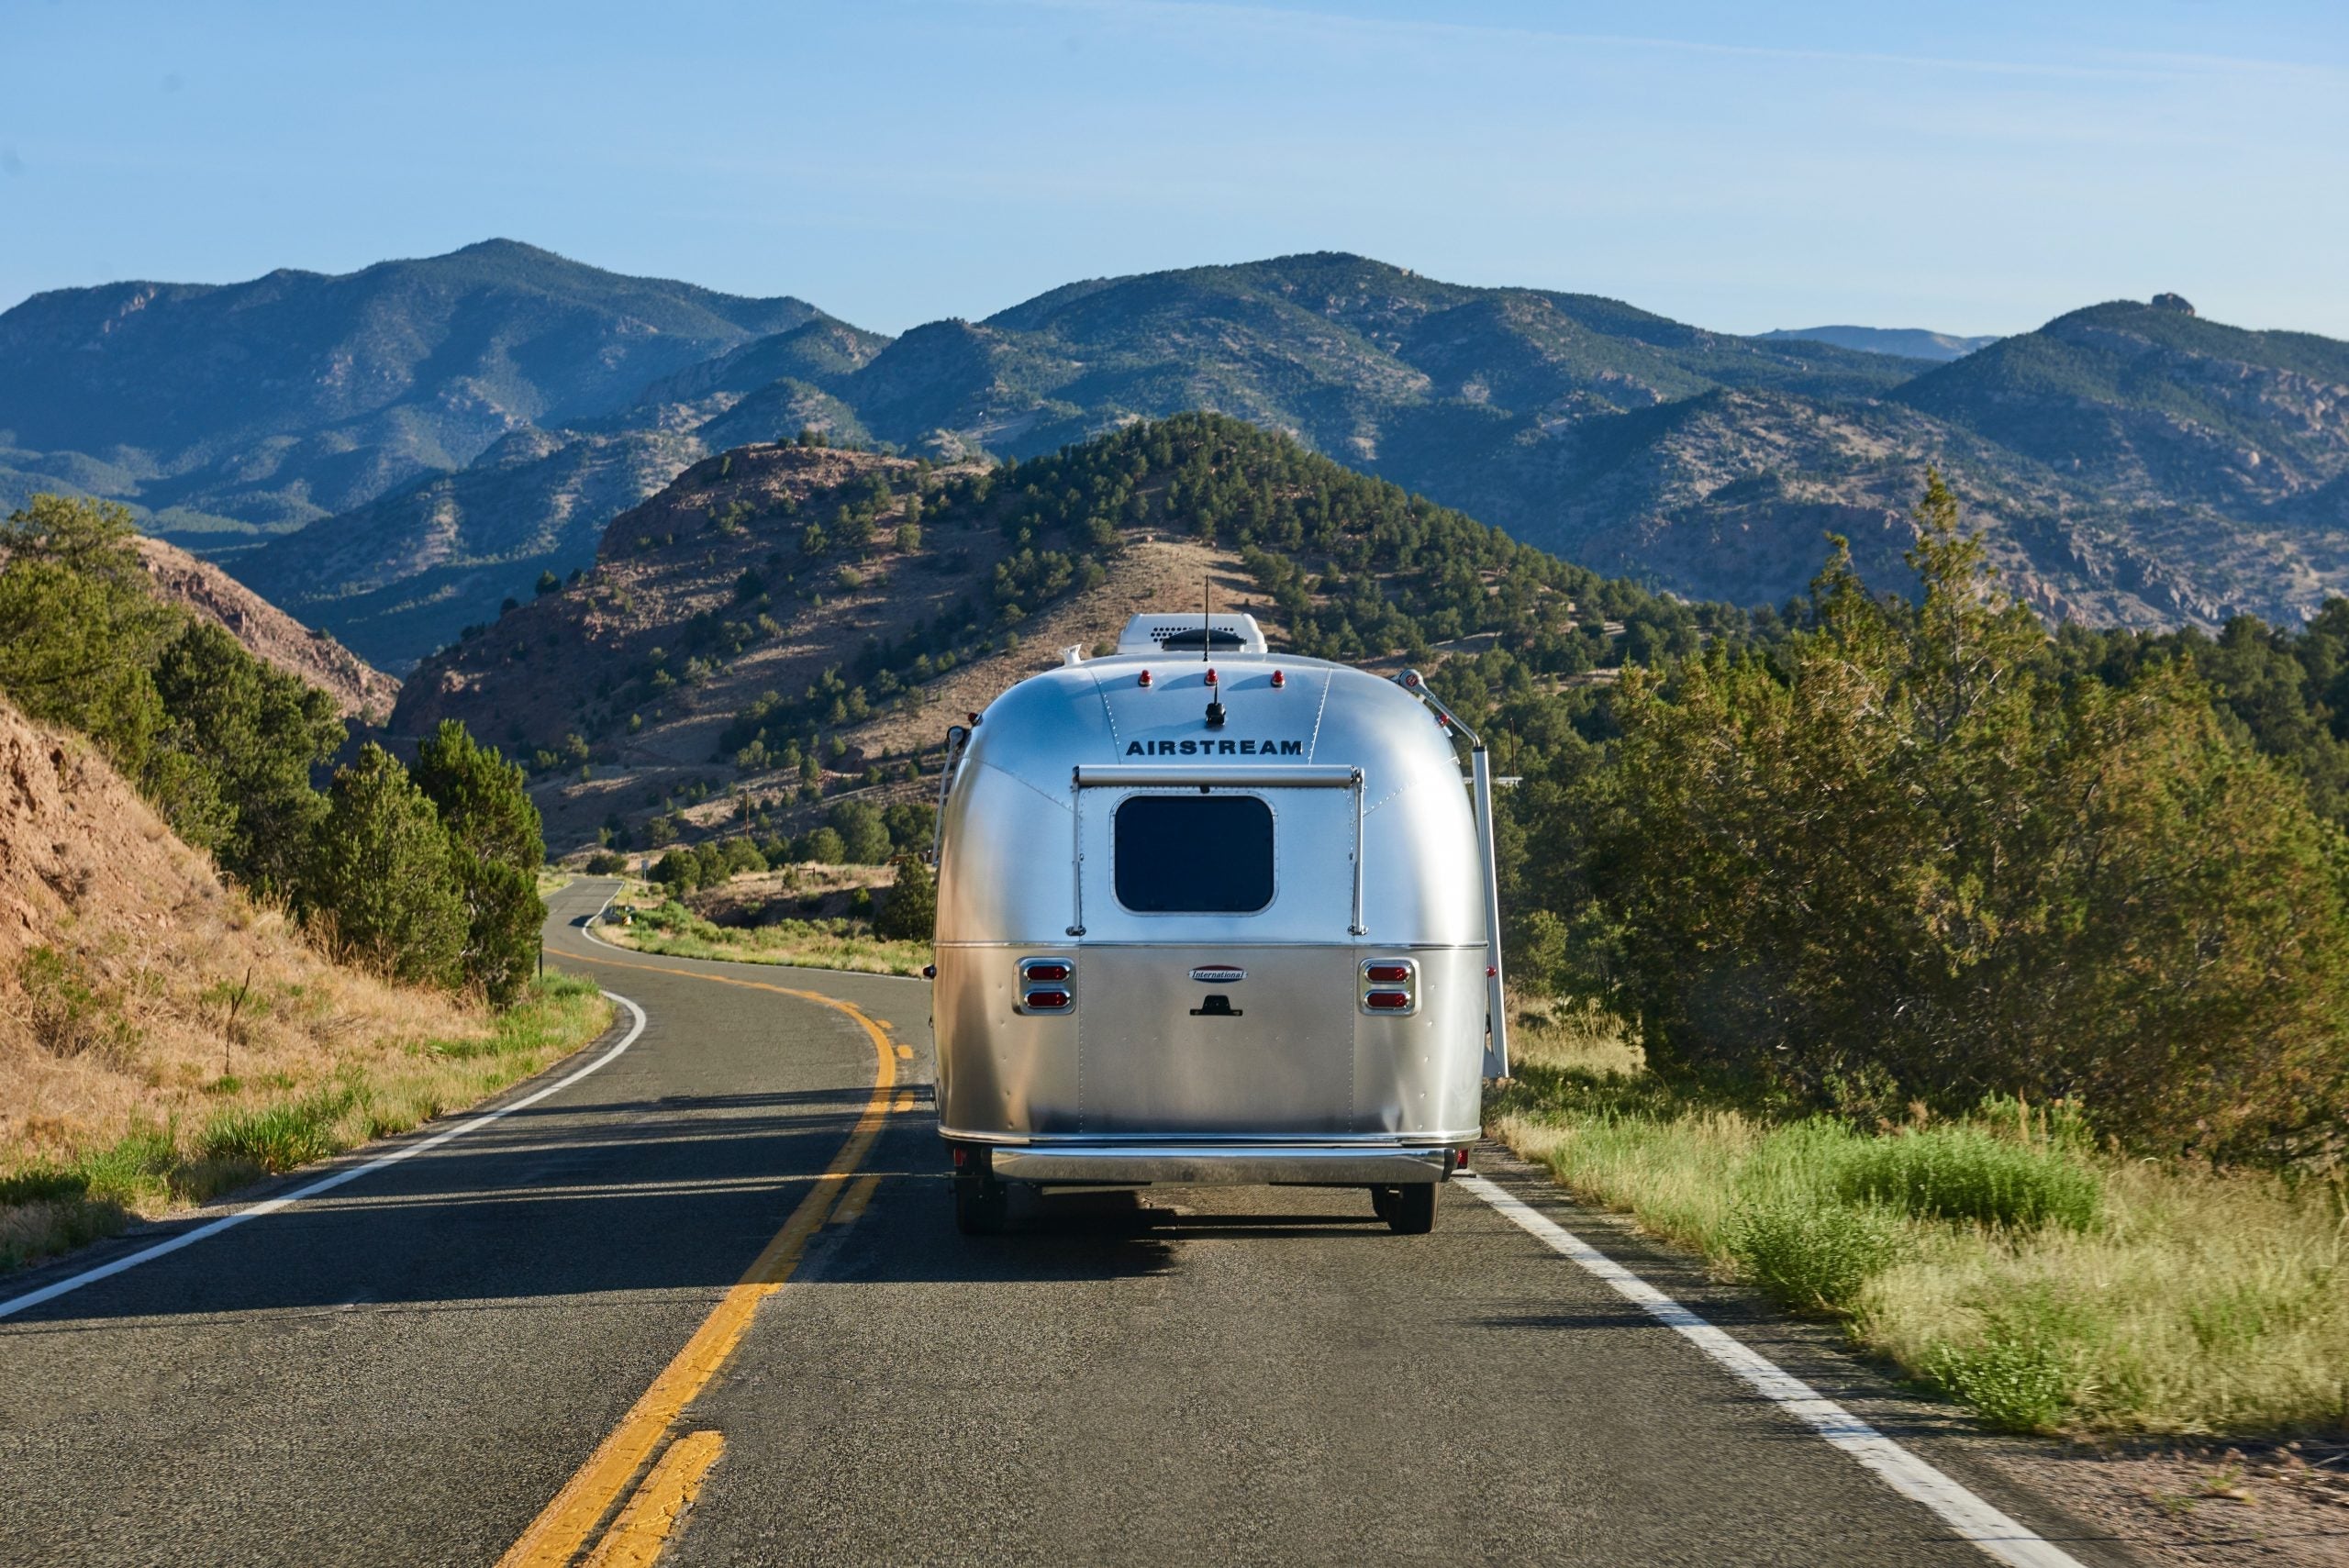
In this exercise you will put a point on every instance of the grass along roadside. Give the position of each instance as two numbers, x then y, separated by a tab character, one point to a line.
644	919
51	1203
2002	1261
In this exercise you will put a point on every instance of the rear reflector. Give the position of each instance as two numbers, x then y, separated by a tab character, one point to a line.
1047	972
1388	1001
1043	1001
1388	974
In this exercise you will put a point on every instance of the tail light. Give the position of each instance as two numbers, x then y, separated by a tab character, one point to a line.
1046	986
1389	986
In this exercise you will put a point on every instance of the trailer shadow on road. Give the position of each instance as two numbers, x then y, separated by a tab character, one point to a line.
680	1191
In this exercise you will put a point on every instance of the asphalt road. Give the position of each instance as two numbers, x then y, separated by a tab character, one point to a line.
413	1368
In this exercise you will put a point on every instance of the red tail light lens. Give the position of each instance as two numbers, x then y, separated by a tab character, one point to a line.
1388	974
1388	1001
1047	984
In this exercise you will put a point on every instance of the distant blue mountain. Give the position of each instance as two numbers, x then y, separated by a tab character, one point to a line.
266	405
1910	342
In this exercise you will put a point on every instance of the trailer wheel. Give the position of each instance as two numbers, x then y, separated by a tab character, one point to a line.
1409	1211
981	1204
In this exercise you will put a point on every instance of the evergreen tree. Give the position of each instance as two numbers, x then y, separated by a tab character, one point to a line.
496	844
1898	860
80	627
911	912
250	734
383	882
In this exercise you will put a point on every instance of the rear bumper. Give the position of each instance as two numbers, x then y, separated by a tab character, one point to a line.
1190	1164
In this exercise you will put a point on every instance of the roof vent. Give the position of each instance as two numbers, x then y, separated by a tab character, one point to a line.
1185	634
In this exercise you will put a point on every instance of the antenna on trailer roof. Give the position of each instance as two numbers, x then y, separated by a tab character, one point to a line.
1207	616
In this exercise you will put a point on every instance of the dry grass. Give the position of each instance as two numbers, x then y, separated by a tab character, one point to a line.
2102	1296
165	1150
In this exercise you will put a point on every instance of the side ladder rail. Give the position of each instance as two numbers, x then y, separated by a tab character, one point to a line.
958	737
1481	795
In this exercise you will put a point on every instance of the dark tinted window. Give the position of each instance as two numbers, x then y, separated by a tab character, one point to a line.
1194	854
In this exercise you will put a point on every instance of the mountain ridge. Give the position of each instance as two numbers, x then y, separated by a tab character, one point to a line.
2129	463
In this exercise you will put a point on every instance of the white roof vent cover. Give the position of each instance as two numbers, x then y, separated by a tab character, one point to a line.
1179	633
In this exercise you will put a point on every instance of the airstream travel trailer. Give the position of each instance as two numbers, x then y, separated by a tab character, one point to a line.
1207	914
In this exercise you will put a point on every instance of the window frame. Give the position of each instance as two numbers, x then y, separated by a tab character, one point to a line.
1271	820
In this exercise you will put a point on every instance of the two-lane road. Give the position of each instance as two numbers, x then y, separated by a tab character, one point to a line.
504	1337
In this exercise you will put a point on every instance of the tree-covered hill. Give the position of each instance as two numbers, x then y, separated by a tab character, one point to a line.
788	617
268	404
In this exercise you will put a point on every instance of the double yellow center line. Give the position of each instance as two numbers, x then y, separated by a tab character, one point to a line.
562	1530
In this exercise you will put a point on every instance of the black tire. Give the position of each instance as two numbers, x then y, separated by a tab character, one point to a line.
980	1205
1411	1211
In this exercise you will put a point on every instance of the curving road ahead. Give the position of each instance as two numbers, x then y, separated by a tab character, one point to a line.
705	1303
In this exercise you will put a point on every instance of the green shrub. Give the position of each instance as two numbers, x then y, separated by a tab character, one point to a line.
1966	1173
2020	1373
280	1136
1813	1254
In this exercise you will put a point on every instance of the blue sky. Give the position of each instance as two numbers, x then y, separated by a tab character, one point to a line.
1975	168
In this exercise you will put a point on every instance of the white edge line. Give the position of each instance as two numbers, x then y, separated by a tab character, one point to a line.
189	1238
1975	1520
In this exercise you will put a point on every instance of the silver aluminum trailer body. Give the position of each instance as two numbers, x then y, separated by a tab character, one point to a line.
1178	945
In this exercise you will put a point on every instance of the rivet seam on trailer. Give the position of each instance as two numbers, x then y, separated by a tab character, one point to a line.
1313	743
1108	712
1029	784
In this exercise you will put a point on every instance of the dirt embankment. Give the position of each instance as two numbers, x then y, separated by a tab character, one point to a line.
132	983
359	689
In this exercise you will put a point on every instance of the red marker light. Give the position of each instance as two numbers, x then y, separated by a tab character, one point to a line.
1048	971
1279	680
1210	675
1388	973
1144	681
1048	999
1490	972
1388	1001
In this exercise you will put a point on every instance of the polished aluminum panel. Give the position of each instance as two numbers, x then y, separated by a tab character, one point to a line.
1375	851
